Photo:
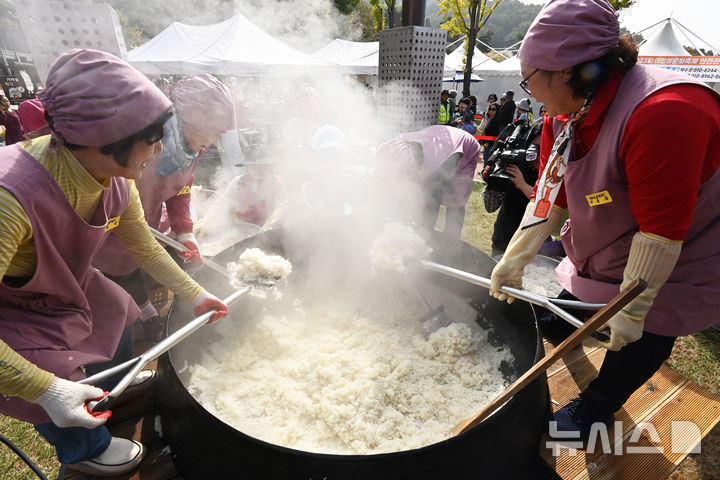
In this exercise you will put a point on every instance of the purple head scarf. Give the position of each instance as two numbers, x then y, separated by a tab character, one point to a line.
568	32
204	101
95	98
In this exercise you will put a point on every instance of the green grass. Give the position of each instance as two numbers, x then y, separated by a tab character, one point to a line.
32	444
696	357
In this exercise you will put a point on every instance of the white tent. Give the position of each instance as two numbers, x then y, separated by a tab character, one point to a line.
500	77
233	47
454	60
352	57
663	42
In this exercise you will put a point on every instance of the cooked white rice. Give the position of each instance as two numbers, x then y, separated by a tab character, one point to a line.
255	266
541	280
397	244
343	379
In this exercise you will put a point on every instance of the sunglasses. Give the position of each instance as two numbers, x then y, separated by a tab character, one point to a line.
524	83
492	109
153	134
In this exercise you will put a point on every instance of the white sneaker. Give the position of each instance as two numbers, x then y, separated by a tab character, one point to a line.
122	456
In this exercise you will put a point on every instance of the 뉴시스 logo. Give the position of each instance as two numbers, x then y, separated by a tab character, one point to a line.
685	437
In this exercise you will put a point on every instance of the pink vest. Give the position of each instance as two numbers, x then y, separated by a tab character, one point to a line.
113	259
597	239
67	314
438	142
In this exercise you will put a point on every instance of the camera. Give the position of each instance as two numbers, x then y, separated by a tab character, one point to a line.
514	149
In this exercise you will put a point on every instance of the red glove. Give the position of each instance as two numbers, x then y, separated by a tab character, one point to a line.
206	302
193	255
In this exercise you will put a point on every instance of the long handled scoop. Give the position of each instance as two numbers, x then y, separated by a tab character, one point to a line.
522	295
135	365
170	242
602	316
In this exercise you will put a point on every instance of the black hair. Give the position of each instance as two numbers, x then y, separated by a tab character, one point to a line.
587	77
466	101
120	150
473	99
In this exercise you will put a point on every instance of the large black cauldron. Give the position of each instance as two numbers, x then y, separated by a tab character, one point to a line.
503	446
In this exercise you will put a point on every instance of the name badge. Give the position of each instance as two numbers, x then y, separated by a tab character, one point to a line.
185	190
600	198
112	223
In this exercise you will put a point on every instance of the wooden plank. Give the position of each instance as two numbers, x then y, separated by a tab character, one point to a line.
573	356
666	396
662	386
667	440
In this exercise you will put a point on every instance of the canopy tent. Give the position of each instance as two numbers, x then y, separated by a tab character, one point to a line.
664	49
454	61
233	47
351	57
663	42
500	77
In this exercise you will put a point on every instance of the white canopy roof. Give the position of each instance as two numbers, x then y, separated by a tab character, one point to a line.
233	47
663	42
510	66
454	60
352	57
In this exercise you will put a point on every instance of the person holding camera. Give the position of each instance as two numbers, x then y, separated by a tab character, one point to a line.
636	212
514	169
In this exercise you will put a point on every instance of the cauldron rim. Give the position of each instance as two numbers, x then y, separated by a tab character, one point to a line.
523	434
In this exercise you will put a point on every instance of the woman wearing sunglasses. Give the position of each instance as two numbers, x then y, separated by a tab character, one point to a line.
635	211
204	110
60	197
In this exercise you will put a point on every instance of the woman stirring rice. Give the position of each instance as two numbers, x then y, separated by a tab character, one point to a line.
641	207
60	196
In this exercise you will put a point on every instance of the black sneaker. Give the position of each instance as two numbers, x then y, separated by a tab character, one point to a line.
154	328
577	417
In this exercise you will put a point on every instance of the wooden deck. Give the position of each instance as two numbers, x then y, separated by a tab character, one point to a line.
666	399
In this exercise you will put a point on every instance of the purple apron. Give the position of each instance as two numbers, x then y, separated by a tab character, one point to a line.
113	259
597	238
67	314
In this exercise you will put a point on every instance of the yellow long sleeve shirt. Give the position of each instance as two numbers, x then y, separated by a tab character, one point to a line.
18	257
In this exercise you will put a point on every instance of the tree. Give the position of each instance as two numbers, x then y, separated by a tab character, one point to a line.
361	24
467	17
384	12
620	4
346	6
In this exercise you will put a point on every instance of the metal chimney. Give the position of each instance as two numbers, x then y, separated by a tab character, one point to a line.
413	13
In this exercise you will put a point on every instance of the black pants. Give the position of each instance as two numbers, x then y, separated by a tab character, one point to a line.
626	370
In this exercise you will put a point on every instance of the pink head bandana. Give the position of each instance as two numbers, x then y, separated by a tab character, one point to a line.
569	32
202	100
32	115
95	98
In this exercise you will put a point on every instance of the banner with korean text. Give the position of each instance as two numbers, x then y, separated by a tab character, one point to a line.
705	69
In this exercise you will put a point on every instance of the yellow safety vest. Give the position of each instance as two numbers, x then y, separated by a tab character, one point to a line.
444	116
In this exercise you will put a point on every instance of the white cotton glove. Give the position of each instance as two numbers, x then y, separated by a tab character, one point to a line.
653	259
64	401
205	302
193	254
522	248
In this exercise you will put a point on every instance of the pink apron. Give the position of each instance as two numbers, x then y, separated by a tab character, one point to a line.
597	238
67	314
438	143
113	259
